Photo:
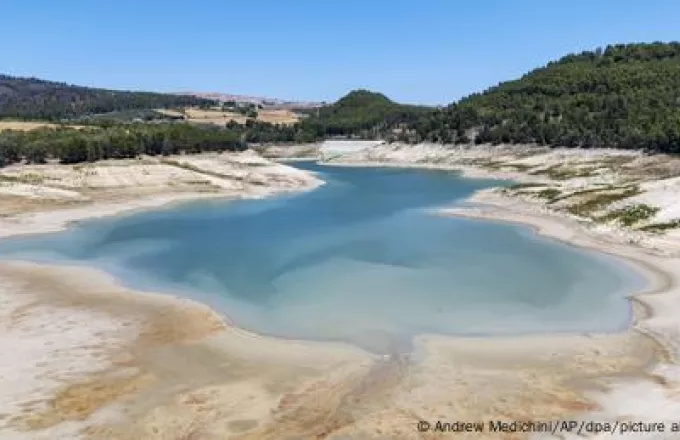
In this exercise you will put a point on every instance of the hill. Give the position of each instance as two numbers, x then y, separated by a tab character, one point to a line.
623	96
32	98
361	113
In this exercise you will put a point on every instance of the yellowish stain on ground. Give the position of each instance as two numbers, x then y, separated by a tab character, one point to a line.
79	401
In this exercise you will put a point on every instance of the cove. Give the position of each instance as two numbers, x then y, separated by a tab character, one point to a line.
360	259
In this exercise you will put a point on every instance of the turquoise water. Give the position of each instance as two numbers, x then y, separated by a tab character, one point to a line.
360	259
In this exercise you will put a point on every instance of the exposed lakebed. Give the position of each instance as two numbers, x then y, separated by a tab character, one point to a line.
361	259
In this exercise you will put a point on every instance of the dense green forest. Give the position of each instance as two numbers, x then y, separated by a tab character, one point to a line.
31	98
116	142
622	96
360	113
70	145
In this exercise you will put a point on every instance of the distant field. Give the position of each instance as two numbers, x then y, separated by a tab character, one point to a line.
28	125
278	116
217	116
196	115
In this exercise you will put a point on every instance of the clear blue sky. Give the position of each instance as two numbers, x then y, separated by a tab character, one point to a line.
420	51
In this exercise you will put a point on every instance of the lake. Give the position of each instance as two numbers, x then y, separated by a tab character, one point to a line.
361	259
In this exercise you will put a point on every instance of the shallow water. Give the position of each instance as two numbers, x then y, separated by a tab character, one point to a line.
361	259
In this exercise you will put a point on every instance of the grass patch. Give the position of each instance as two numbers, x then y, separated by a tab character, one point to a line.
585	191
487	164
542	172
517	186
178	164
519	166
660	227
194	168
630	215
6	178
493	166
560	172
599	201
613	161
550	194
659	172
197	182
30	178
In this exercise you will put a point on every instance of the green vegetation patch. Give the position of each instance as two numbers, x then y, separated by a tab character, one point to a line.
518	186
183	165
561	172
600	201
630	215
613	161
194	168
550	194
660	227
519	166
30	178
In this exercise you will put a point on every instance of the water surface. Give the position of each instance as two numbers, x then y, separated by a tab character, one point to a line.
360	259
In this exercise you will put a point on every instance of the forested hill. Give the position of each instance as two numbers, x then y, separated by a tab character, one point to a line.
624	96
361	113
31	98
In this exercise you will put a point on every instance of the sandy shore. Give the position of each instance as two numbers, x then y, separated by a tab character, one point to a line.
149	365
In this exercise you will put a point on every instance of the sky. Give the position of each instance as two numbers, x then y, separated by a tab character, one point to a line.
422	52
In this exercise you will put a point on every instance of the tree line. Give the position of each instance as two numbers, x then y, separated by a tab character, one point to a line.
91	143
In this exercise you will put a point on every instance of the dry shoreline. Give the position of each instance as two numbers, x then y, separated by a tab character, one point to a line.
319	389
658	279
